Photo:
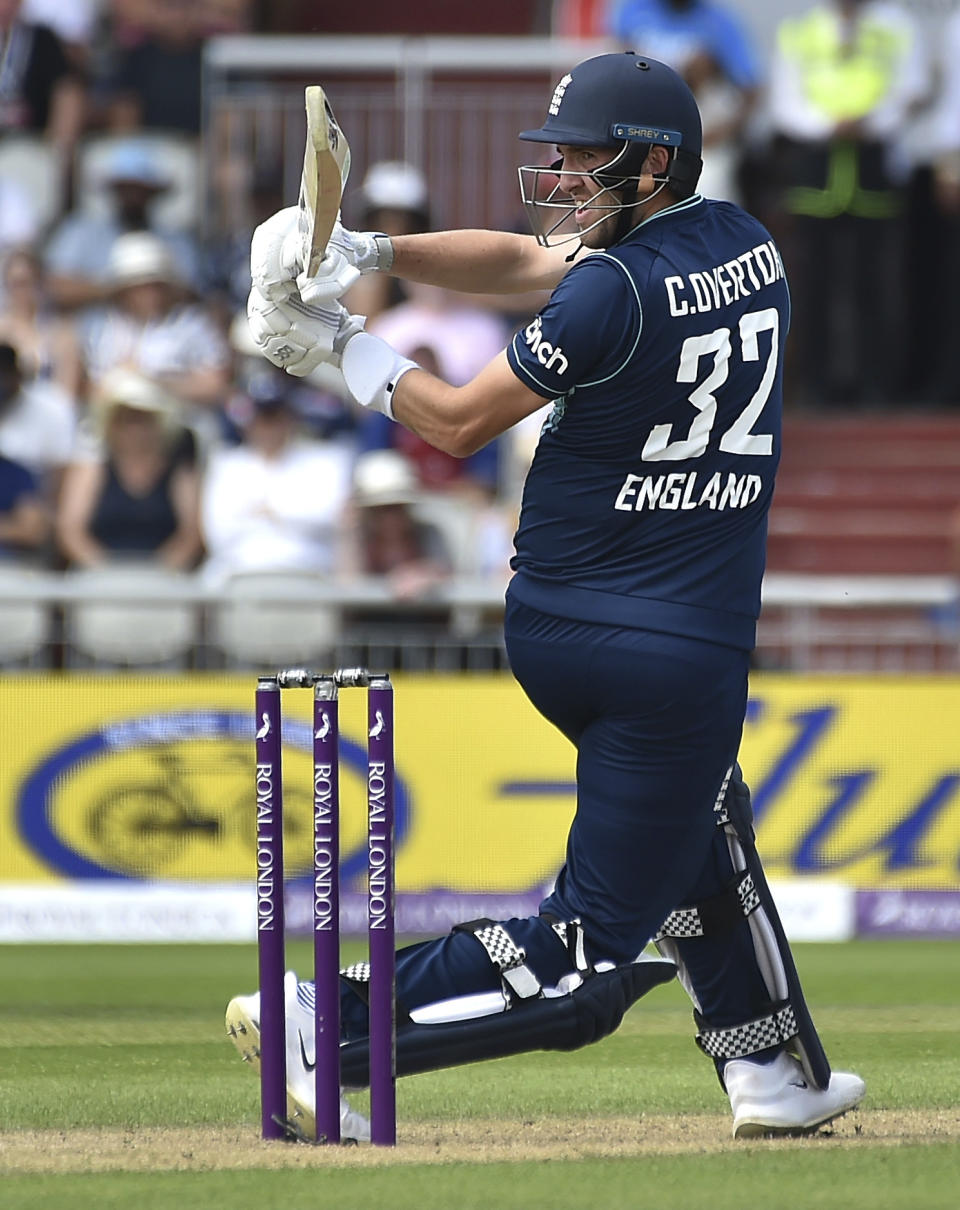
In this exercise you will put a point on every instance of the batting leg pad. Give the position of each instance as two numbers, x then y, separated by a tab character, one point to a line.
783	1019
587	1014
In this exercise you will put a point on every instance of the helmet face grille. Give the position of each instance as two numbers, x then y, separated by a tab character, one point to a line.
551	211
623	102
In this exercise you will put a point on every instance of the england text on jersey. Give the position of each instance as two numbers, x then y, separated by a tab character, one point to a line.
726	283
684	490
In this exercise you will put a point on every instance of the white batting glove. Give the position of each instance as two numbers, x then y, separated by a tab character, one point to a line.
349	255
297	336
275	254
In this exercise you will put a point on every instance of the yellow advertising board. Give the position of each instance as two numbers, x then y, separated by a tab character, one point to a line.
132	778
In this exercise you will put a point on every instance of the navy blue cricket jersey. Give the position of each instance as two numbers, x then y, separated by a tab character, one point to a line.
646	503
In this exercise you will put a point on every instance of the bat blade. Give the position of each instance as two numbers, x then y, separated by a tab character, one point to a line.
326	166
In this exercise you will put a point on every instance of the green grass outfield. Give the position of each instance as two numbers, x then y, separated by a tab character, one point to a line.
118	1088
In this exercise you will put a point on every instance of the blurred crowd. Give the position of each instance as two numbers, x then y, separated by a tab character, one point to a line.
138	423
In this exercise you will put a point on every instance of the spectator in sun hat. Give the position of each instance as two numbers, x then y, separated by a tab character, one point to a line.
393	199
135	498
151	324
78	257
389	539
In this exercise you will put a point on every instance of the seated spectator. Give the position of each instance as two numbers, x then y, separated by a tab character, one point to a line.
47	344
74	24
155	81
24	517
276	501
42	93
389	540
247	194
137	500
38	423
78	257
150	325
453	339
393	199
705	42
323	412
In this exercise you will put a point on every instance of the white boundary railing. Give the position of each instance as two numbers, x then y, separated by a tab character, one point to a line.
808	623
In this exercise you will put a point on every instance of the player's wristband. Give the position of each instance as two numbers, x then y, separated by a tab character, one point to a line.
384	252
372	251
371	370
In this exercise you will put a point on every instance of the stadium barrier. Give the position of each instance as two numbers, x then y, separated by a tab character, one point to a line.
66	620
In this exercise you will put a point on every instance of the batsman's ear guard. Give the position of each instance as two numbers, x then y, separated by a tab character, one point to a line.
589	1013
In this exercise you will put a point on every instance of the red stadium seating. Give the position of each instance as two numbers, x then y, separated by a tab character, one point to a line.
861	495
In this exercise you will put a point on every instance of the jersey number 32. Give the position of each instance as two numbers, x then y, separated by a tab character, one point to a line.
739	438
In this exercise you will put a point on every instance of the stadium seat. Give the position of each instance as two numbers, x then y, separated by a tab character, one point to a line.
34	165
274	618
24	623
130	616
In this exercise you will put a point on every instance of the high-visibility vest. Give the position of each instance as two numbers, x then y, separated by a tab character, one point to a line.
845	82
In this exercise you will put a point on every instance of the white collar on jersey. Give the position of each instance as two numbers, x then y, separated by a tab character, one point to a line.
687	204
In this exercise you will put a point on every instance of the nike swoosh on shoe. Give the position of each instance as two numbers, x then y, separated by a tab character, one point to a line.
303	1054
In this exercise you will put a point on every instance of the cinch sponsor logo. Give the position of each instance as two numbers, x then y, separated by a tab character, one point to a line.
550	356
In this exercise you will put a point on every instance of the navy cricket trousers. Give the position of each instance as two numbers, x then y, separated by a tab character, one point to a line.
656	722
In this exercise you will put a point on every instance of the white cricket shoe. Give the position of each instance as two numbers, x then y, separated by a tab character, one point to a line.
243	1029
777	1099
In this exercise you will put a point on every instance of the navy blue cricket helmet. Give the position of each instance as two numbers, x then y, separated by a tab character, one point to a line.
629	103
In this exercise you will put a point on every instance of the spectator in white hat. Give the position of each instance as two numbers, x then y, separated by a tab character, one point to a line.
389	539
393	199
136	500
78	257
151	325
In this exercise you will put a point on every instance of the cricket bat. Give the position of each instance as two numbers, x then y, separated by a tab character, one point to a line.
326	166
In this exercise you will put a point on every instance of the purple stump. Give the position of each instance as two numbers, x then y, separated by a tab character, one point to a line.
380	909
326	907
270	949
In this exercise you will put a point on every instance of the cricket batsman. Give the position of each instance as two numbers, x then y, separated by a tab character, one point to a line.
631	616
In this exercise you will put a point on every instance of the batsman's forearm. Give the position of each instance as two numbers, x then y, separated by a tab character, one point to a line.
476	262
461	420
440	414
